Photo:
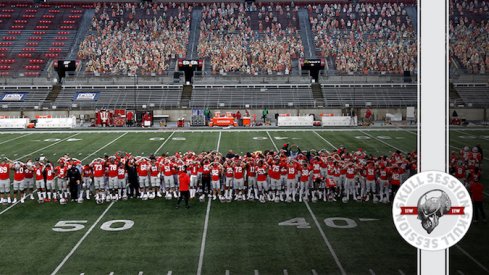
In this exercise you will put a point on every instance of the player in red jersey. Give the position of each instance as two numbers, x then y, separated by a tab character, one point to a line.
29	179
395	180
216	172
154	175
168	170
40	184
18	184
112	179
143	175
261	180
351	173
50	175
368	188
384	185
239	175
121	180
229	178
275	181
304	181
98	169
5	167
251	179
61	174
193	169
87	175
291	184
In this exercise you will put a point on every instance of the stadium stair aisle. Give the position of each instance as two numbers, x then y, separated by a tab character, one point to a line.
306	34
317	94
53	94
413	14
82	33
193	40
186	96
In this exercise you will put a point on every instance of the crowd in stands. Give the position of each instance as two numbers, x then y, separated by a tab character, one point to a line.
469	34
136	38
249	38
365	37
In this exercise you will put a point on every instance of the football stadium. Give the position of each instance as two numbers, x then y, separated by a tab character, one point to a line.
229	137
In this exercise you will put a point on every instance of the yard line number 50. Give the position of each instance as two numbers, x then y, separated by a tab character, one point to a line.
111	226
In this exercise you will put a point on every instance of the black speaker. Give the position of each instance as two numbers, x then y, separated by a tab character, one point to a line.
407	77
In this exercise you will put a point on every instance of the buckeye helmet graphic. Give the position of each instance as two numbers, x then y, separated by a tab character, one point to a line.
431	207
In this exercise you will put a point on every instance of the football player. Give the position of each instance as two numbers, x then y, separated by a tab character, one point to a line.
216	171
29	179
87	175
40	184
113	180
291	185
61	174
261	180
305	177
98	169
239	175
275	181
121	180
142	166
50	175
154	173
228	183
5	167
18	184
251	179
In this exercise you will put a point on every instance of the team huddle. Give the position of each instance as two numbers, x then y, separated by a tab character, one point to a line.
287	175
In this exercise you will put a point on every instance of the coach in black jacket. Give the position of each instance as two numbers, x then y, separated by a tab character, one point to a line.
74	180
132	178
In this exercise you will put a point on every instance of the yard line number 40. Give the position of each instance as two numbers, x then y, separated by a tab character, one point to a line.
111	226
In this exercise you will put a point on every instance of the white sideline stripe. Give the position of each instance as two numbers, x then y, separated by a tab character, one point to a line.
219	141
50	145
325	140
204	130
390	145
81	240
104	146
204	237
82	273
6	141
314	272
163	144
472	258
460	272
286	272
140	273
227	272
273	142
401	272
328	244
371	272
256	272
169	272
111	273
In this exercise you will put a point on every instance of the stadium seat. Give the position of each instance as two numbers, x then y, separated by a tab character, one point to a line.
48	16
24	55
14	32
5	44
35	38
3	49
28	16
45	22
4	67
17	27
61	38
32	44
41	27
32	74
39	32
58	44
5	16
32	67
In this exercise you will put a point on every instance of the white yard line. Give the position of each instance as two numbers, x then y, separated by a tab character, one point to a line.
81	240
104	146
390	145
204	238
328	244
401	272
163	144
273	142
50	145
460	272
472	258
12	139
325	140
219	141
371	272
314	272
8	208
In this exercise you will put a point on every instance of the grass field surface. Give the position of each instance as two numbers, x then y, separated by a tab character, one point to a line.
152	237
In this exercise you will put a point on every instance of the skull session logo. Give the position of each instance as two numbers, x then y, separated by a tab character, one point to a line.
432	210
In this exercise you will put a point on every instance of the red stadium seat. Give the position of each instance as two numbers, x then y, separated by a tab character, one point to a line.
48	16
17	27
32	44
5	44
77	11
36	61
28	16
42	27
5	16
74	16
14	32
51	55
35	38
67	22
22	5
67	27
31	11
4	73
19	21
54	11
24	55
4	67
58	44
66	6
29	49
32	67
8	10
3	49
2	55
55	50
9	38
7	61
61	38
39	32
63	33
32	74
45	22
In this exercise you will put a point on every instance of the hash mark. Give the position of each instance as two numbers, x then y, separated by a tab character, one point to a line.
286	272
401	272
227	272
314	272
256	272
371	272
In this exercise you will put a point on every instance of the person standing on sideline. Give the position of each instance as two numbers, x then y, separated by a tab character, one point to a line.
132	178
238	118
184	181
264	114
477	194
74	180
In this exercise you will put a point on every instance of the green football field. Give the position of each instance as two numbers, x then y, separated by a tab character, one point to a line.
152	237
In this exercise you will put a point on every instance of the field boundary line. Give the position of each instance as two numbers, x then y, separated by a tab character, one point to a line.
219	141
326	241
105	146
273	142
82	239
472	258
204	237
378	139
163	144
9	140
325	140
50	145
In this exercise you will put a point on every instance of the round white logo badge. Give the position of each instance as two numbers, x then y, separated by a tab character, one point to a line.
432	210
